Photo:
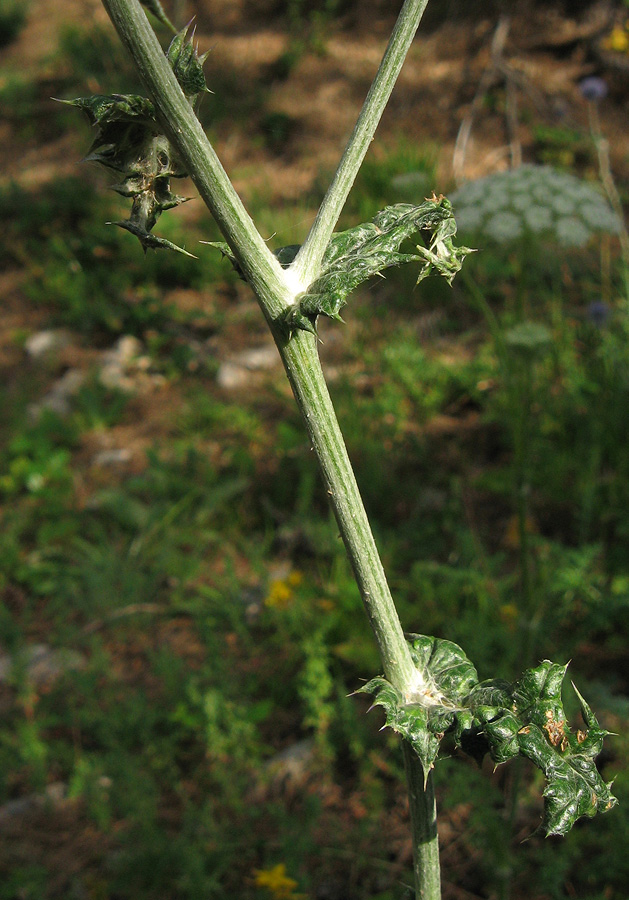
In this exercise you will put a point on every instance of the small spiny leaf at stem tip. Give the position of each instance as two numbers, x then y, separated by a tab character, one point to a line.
187	64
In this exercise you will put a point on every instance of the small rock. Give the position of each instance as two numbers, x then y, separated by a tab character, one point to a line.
112	458
43	664
230	376
57	399
54	795
117	361
43	344
126	349
234	372
125	367
112	375
292	764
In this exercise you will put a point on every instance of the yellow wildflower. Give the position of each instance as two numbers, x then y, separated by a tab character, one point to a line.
617	40
279	595
276	882
281	590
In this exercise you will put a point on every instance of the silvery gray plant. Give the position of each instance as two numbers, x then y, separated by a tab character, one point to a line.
535	202
429	687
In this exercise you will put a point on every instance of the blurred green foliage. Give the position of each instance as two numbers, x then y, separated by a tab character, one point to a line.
12	19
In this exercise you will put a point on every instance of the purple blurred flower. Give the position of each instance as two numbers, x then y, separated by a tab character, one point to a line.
598	313
593	88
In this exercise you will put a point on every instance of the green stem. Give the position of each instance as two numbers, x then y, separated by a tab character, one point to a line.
301	360
423	809
307	264
607	179
275	290
493	324
520	402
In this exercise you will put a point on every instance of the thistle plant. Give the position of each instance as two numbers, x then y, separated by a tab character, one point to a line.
429	688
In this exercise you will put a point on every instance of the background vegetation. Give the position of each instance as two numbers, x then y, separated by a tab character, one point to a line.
180	631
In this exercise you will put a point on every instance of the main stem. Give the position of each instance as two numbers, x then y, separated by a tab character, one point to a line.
303	367
275	290
423	810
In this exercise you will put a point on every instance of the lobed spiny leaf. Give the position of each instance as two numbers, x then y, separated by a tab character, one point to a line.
506	720
368	249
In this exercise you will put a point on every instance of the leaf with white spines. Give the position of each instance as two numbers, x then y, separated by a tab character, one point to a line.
429	707
355	255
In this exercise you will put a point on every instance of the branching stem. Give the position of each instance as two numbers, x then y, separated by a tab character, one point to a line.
275	290
301	360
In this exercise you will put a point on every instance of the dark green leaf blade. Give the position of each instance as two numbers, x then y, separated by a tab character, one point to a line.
355	255
452	673
528	719
129	141
506	720
150	241
125	124
429	708
107	108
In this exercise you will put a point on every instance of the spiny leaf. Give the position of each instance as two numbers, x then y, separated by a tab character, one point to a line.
156	8
525	718
125	125
535	726
107	108
441	254
129	140
368	249
451	672
150	241
187	64
226	251
424	715
411	720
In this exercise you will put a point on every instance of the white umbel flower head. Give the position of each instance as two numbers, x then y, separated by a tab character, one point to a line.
533	201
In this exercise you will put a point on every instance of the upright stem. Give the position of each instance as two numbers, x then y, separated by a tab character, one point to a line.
275	290
303	367
605	171
423	809
308	261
